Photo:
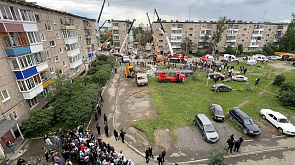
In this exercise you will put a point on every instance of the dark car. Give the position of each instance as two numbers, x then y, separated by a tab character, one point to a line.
244	120
217	112
206	127
217	75
221	88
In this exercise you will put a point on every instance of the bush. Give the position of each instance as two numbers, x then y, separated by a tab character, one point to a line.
199	54
39	121
279	79
287	86
217	157
287	98
137	57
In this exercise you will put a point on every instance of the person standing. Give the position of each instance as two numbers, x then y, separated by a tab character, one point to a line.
237	146
163	154
10	145
56	159
122	134
105	119
160	159
66	155
47	140
101	99
151	151
116	134
95	115
46	154
98	109
98	128
57	142
241	139
115	70
106	130
245	70
147	155
230	143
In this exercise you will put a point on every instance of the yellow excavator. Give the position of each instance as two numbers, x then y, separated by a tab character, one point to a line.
130	72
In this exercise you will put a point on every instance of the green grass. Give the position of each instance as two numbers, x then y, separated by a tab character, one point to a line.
3	162
177	104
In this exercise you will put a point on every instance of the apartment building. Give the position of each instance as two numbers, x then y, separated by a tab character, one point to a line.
119	33
253	36
37	45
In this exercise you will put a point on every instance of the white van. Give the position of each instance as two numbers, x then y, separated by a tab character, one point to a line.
126	59
229	57
259	57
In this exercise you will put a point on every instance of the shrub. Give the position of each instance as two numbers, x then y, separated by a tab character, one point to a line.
217	157
137	57
287	98
199	54
279	79
287	86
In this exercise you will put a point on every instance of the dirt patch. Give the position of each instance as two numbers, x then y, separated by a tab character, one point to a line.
243	103
163	138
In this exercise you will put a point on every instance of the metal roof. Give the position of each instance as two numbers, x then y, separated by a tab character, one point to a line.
5	126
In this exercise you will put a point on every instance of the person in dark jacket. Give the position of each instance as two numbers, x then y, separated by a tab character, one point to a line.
163	154
95	115
106	130
122	134
151	151
105	119
147	155
160	159
98	128
116	134
237	146
230	143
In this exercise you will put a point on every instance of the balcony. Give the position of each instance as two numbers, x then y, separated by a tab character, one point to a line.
46	83
231	40
253	46
176	34
42	66
73	53
38	47
256	35
76	63
71	40
87	27
17	51
33	92
68	27
26	73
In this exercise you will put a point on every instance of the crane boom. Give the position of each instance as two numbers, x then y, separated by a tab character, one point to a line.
163	30
106	41
123	45
98	19
154	38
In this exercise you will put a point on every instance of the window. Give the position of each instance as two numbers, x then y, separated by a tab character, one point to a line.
73	46
82	47
47	54
51	70
53	20
115	24
116	37
4	96
13	116
37	17
190	34
64	63
80	37
52	43
190	29
27	15
43	37
34	37
9	12
48	27
57	36
78	27
60	50
32	102
160	40
56	58
61	71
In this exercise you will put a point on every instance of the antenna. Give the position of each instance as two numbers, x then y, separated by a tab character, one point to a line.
263	15
189	16
242	16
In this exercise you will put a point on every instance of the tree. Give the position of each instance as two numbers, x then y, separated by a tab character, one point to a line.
240	48
187	45
268	50
287	94
229	50
217	157
199	54
279	80
217	36
287	42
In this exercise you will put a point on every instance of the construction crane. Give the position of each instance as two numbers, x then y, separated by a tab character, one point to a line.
154	38
124	43
140	38
163	30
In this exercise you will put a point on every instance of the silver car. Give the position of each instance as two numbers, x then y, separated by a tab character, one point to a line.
206	128
240	78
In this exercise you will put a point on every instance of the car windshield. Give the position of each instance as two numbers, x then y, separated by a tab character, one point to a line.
209	128
283	120
248	121
219	112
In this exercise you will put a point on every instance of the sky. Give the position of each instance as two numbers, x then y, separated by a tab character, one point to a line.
181	10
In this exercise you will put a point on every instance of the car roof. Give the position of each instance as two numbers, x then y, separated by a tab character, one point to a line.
141	74
204	119
275	113
218	85
241	112
218	107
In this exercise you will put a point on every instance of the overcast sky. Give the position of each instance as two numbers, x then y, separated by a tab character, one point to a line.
247	10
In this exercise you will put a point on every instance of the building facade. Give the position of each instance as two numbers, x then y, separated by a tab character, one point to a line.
119	32
38	44
253	36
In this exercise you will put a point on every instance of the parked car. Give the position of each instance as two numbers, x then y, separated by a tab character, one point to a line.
246	58
272	58
217	112
206	127
260	57
221	88
251	62
280	121
240	78
219	75
244	120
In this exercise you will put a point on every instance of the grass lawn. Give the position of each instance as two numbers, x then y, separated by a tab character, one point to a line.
177	104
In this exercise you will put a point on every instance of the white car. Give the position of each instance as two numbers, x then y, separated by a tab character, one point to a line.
280	121
239	78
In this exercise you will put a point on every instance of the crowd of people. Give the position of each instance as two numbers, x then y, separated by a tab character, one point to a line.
234	144
82	148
